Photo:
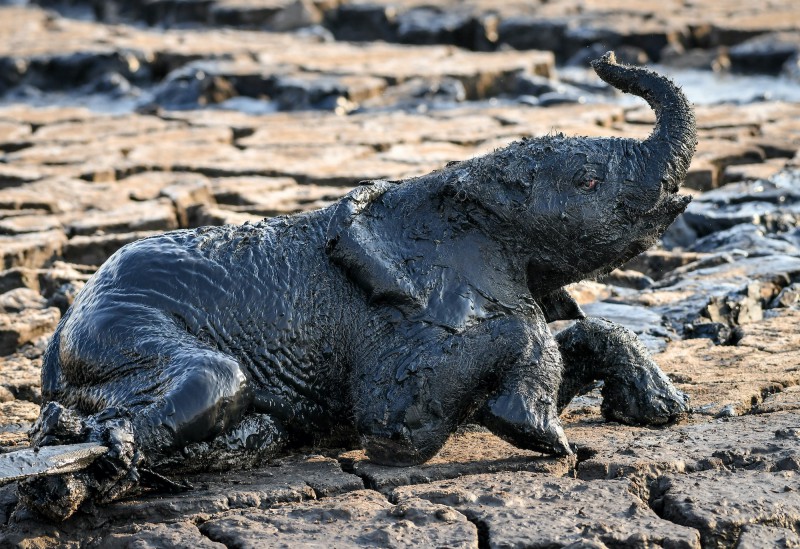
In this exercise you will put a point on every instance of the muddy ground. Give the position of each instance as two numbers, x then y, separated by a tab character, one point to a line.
123	119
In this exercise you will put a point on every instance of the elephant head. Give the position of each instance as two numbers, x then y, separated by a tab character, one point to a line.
607	200
461	242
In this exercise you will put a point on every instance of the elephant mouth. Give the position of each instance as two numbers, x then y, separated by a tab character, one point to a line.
672	205
652	223
669	207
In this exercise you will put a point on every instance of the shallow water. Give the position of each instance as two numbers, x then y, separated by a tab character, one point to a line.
708	87
701	87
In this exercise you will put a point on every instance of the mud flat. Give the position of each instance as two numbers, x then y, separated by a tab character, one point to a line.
165	115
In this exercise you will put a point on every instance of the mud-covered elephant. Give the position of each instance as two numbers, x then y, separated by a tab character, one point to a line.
384	320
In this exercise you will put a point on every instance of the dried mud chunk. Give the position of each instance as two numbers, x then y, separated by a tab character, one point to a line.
358	519
766	442
179	535
465	453
31	250
19	328
531	510
135	216
17	413
767	537
721	503
22	376
94	250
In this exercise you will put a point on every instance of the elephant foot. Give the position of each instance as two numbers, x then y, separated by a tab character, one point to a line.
111	476
635	392
641	394
532	425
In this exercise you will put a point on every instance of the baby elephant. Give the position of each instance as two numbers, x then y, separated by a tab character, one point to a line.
385	320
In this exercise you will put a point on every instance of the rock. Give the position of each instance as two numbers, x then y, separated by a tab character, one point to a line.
770	208
215	495
738	308
19	277
420	93
746	172
14	176
295	15
678	235
720	503
718	286
191	90
14	136
588	291
58	195
659	263
245	14
361	518
431	25
17	329
530	510
791	68
702	175
52	280
313	91
740	375
466	453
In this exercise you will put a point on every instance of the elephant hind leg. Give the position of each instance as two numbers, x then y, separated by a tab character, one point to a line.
251	442
635	391
188	395
204	392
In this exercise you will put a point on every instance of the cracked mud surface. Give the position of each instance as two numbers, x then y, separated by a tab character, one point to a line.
179	114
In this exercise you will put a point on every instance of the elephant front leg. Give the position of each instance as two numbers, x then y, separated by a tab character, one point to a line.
409	397
523	410
635	391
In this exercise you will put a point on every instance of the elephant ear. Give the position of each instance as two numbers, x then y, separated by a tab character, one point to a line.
559	305
361	244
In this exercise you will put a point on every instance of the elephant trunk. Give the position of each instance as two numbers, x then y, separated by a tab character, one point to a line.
670	147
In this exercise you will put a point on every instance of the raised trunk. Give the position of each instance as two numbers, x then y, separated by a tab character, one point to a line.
672	144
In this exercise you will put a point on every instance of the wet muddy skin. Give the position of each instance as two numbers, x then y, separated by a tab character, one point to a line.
385	320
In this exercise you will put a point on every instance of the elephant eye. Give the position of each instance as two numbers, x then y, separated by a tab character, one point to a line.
589	184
